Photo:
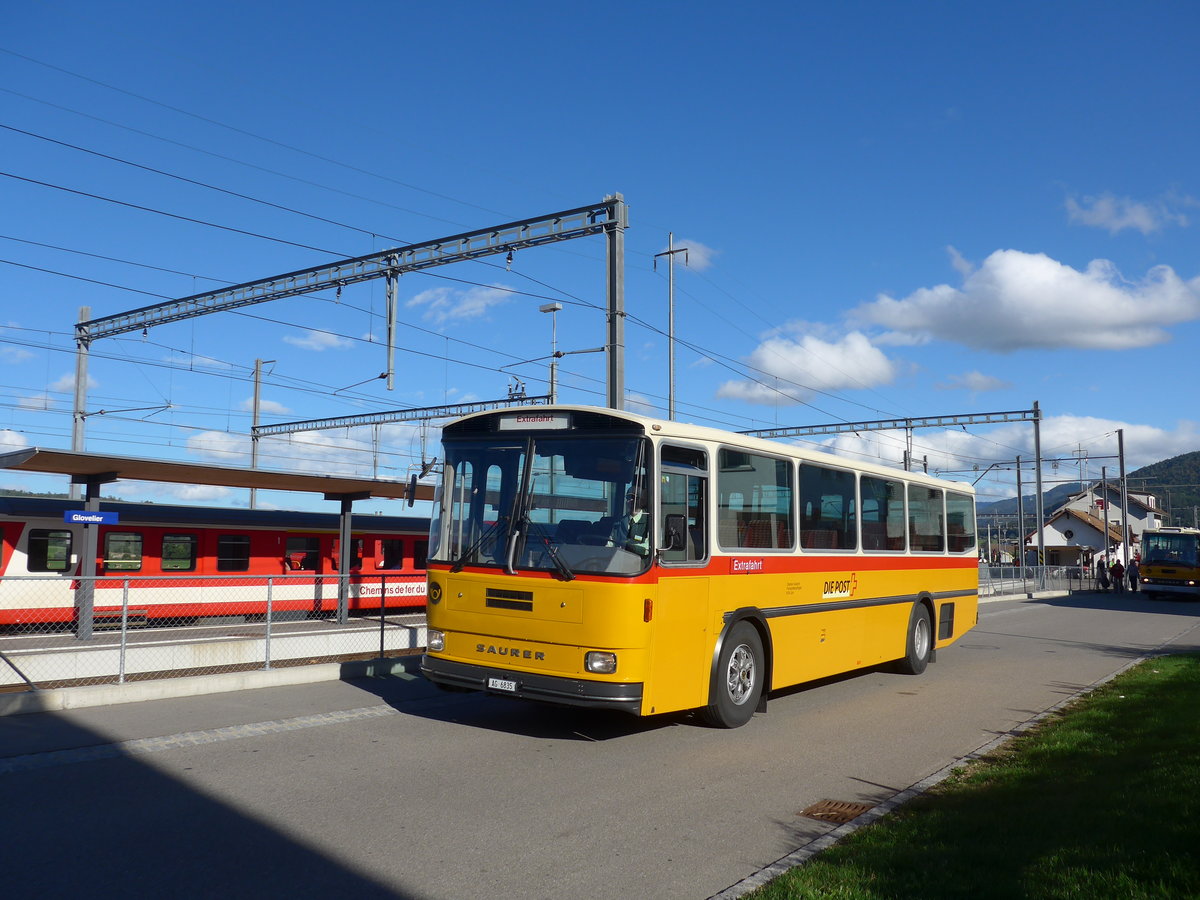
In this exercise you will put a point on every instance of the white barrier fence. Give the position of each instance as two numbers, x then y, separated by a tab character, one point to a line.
997	580
56	632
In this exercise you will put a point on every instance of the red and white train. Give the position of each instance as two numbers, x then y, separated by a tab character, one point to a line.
178	562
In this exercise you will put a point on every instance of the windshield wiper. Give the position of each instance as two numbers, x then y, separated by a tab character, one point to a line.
561	567
479	541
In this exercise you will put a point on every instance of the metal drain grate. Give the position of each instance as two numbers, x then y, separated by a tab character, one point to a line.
838	811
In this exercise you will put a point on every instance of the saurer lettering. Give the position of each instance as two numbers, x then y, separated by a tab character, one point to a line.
515	652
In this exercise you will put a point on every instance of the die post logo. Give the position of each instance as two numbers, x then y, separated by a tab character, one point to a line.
840	587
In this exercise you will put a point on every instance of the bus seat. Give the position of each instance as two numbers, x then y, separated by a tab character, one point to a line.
820	537
757	533
874	536
569	530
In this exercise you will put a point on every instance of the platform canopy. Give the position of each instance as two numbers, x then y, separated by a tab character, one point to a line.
100	468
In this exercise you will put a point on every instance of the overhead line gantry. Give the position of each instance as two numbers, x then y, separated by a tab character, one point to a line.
609	217
908	424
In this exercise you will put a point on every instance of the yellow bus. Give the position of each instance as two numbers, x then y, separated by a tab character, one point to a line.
597	558
1170	564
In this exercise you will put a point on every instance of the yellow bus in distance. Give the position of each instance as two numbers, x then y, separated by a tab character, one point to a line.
598	558
1170	564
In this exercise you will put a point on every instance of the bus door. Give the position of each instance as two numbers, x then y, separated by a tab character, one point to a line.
681	638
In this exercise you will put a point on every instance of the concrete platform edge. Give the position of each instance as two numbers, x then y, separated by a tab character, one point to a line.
54	699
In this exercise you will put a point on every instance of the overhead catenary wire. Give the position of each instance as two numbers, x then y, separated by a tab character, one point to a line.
730	364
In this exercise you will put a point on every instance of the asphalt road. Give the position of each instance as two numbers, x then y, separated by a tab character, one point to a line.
388	788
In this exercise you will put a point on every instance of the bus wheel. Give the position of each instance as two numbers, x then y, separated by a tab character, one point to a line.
919	644
739	678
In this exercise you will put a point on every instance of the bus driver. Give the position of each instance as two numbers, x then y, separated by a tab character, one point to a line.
632	531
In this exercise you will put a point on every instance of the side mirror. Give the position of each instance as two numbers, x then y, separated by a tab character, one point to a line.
411	493
675	533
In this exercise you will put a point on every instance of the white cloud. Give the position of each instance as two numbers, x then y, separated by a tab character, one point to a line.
66	383
338	452
266	406
221	447
12	440
35	401
961	264
794	367
1115	214
1017	300
976	382
317	340
165	492
699	256
954	450
644	406
445	304
14	355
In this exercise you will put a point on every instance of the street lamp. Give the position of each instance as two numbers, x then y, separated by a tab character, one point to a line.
553	309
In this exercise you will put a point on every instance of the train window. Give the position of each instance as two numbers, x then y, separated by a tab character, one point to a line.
123	551
179	553
233	552
420	552
391	554
49	550
303	553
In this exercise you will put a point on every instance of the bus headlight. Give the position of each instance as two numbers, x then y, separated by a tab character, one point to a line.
435	641
600	662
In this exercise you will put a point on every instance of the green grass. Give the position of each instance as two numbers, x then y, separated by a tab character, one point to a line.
1097	801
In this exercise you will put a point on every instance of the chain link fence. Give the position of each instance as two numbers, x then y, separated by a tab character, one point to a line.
58	632
1001	580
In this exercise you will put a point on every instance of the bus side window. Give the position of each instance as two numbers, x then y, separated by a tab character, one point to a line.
926	519
882	514
754	501
960	521
829	513
683	529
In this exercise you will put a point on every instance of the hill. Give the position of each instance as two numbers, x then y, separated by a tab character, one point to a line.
1175	482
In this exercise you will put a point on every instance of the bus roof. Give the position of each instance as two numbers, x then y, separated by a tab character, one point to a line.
674	430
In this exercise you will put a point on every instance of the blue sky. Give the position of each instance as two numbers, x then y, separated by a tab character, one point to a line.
890	210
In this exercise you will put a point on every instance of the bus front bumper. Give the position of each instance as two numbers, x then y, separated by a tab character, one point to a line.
545	688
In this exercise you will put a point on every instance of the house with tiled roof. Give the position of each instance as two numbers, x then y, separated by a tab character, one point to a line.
1076	533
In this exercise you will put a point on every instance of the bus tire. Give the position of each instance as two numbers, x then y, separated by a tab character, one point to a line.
918	642
740	675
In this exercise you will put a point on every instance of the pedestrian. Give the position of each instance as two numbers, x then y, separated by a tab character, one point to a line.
1118	577
1134	574
1102	577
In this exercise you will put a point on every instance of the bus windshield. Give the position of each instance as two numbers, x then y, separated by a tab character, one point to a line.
1170	548
566	505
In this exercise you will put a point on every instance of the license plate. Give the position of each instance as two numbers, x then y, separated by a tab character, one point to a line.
502	684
